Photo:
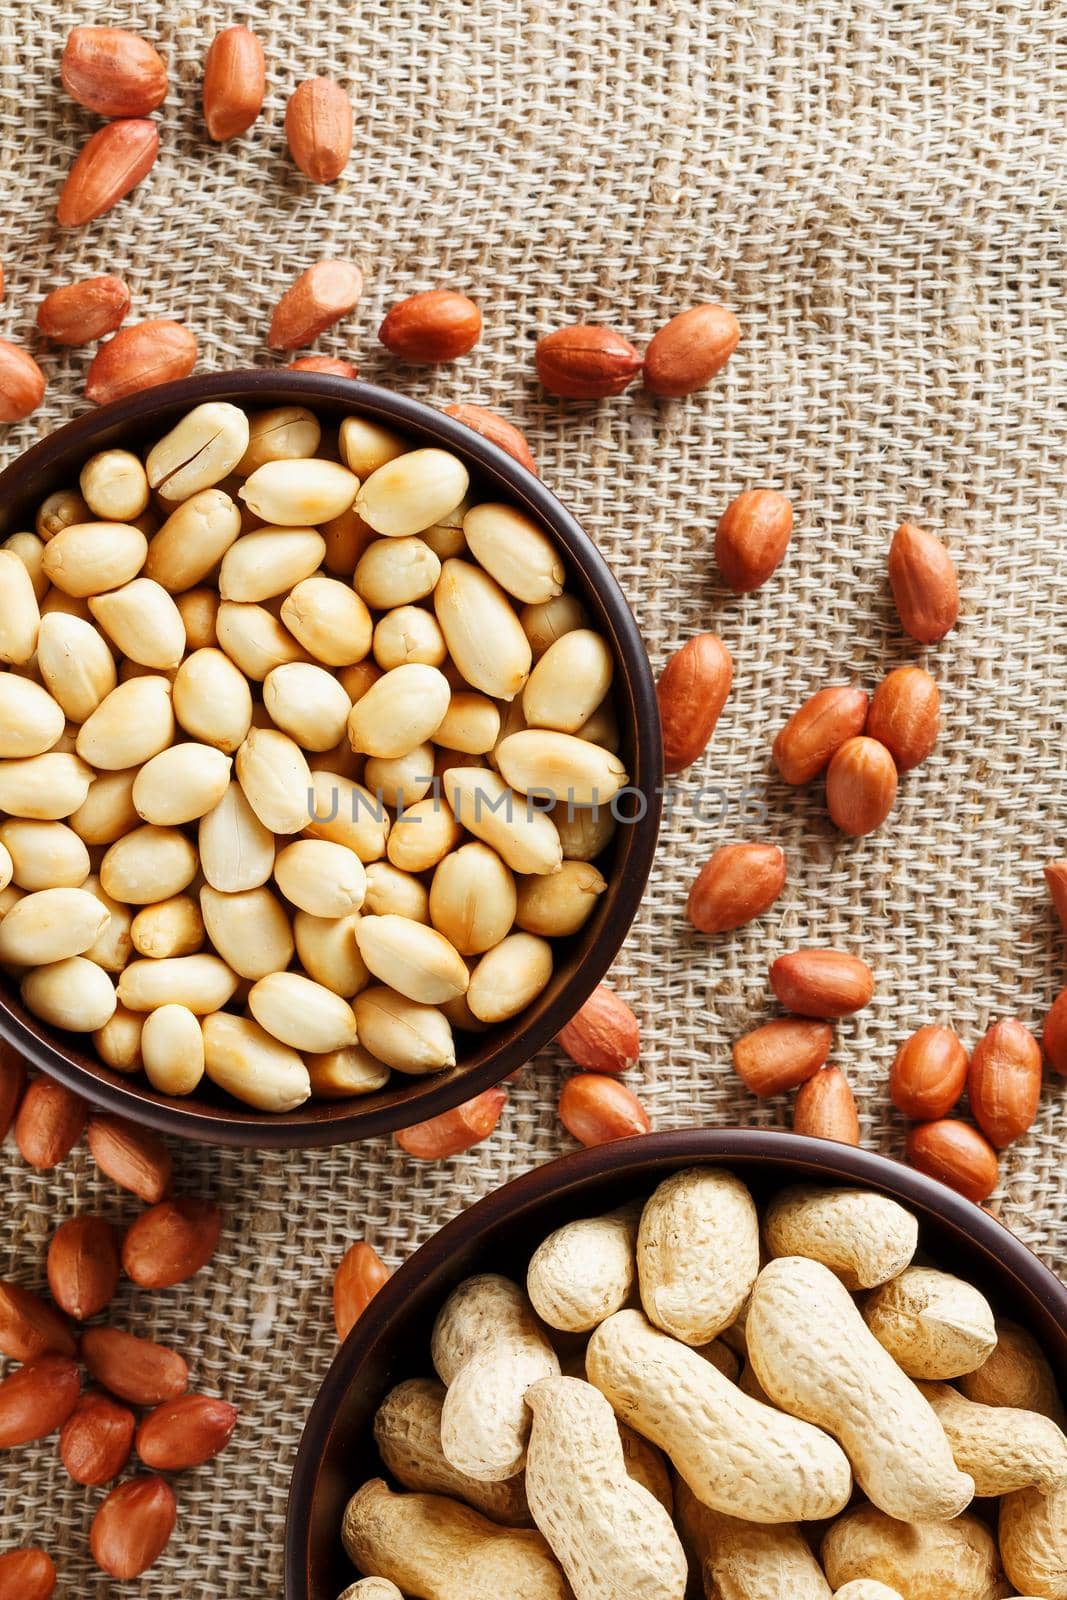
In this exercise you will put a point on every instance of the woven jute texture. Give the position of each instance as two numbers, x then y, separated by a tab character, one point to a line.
877	188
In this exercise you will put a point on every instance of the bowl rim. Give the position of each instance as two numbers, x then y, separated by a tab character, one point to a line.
318	1124
554	1180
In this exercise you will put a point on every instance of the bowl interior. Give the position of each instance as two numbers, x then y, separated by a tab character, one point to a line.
581	961
391	1340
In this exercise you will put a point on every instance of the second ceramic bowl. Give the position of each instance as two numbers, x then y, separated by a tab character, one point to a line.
208	1115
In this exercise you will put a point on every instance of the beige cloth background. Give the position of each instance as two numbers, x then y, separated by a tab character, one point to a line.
877	187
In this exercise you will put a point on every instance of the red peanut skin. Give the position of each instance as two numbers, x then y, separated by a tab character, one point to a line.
604	1035
454	1131
28	1574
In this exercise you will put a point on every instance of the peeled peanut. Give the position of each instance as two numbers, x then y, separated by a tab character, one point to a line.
30	551
389	890
411	492
171	927
863	1237
285	433
323	878
399	712
31	721
108	810
472	899
308	703
212	701
484	636
236	850
73	993
365	446
297	494
509	977
698	1253
407	1432
569	682
249	929
114	486
77	667
471	724
406	1035
118	1041
933	1324
50	925
202	983
737	1455
58	511
408	636
302	1013
395	572
327	950
347	813
172	1049
445	536
199	451
404	781
199	610
254	639
521	834
193	540
148	864
44	855
608	1533
815	1357
143	622
443	1550
274	775
242	1058
585	1271
129	726
336	1074
269	562
47	787
411	958
560	904
329	620
89	558
515	551
114	944
922	1560
488	1348
541	762
20	616
423	835
584	831
181	784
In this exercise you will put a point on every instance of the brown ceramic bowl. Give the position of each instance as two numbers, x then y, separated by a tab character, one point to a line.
391	1340
208	1115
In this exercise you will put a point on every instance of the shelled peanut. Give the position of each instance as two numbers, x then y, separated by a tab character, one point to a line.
280	736
589	1435
98	1430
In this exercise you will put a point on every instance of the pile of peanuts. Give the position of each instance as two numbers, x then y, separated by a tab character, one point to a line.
304	761
775	1407
166	1244
119	76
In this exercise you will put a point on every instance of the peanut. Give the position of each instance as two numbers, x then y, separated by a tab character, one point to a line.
488	1348
407	1431
441	1550
736	1455
697	1253
863	1237
608	1533
585	1271
921	1560
815	1357
934	1326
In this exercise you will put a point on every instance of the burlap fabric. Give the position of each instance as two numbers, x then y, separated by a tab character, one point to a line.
877	188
